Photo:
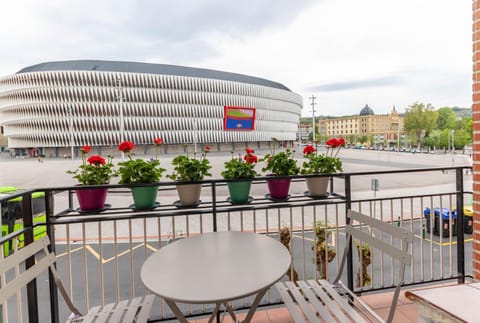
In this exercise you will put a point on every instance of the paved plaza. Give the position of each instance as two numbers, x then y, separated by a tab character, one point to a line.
29	173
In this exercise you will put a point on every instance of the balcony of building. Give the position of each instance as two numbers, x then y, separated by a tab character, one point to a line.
100	253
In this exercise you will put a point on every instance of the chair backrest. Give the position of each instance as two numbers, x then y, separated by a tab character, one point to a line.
398	251
44	259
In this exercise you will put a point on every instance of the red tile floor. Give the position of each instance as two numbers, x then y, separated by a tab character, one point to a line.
380	302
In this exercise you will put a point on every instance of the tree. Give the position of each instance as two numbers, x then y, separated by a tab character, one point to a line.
462	138
419	121
363	139
465	124
447	119
351	139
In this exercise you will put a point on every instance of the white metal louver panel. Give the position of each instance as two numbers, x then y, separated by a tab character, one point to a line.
145	95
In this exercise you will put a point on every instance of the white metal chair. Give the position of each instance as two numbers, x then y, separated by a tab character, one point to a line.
134	310
321	301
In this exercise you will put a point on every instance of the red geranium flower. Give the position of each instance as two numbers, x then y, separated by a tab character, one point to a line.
158	141
207	148
250	158
335	142
96	160
249	150
126	146
309	149
85	149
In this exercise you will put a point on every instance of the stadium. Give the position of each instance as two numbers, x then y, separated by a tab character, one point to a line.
51	107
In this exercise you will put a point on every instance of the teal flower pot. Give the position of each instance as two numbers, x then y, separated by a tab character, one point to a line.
239	191
144	197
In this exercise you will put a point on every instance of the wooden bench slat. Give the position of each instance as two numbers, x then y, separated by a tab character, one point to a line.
20	255
118	311
132	309
304	305
342	301
25	277
400	255
92	313
321	308
289	302
397	232
147	304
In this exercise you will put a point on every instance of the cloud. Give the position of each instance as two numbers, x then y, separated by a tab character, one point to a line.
358	84
145	30
347	53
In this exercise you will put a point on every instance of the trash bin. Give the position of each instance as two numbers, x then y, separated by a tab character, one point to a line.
444	226
426	213
468	219
441	225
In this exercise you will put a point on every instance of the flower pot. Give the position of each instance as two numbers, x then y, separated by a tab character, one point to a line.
317	186
239	191
189	194
144	197
91	199
278	188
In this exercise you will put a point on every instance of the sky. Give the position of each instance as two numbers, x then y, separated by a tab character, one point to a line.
346	53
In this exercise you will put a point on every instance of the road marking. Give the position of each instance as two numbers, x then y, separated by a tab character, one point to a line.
97	255
443	244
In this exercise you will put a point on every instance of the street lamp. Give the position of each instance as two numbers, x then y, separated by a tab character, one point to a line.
453	146
398	135
313	115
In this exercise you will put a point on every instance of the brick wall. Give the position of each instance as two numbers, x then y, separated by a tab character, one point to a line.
476	137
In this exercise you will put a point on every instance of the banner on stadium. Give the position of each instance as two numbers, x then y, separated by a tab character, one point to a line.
238	118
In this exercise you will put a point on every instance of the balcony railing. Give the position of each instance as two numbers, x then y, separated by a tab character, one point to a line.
100	254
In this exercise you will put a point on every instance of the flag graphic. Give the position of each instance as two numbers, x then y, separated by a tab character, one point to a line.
239	118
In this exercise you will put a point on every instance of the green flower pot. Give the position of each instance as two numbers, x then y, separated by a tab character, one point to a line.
144	197
239	191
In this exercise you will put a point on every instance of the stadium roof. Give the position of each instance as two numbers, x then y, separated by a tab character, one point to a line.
147	68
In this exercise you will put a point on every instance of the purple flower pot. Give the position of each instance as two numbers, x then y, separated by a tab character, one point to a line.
279	187
92	199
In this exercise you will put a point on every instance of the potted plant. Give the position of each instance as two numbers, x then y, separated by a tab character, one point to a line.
323	252
95	170
140	171
280	164
190	169
242	171
365	257
317	164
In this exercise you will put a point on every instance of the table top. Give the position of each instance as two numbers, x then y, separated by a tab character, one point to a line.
215	267
460	301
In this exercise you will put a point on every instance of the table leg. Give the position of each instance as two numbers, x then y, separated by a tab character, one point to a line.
230	310
217	308
214	313
181	318
254	306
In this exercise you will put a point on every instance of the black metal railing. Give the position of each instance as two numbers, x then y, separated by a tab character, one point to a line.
100	253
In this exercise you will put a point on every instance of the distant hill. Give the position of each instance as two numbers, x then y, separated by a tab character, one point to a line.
462	112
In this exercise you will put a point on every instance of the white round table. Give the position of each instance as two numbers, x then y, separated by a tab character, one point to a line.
215	268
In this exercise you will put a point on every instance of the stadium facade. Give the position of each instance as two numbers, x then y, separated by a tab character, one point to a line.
54	106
